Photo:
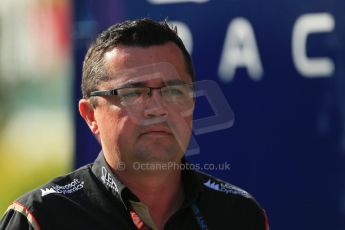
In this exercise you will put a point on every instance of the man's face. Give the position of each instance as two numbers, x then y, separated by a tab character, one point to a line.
153	131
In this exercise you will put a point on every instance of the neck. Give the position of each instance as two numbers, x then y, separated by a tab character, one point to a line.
161	192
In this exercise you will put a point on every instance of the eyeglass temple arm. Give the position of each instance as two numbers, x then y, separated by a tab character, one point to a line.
104	93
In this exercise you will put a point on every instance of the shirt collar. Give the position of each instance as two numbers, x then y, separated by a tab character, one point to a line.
191	183
103	172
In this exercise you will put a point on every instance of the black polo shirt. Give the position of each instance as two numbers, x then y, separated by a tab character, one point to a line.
93	198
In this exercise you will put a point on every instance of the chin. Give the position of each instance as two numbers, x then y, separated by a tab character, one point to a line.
159	154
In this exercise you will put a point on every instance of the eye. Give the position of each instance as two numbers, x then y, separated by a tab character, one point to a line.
174	91
130	93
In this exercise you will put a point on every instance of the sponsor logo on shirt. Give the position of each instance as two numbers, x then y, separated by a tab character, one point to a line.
108	180
226	188
72	187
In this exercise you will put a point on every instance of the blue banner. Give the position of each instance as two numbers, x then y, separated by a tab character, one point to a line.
273	111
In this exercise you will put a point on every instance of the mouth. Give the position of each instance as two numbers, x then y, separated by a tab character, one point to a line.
156	131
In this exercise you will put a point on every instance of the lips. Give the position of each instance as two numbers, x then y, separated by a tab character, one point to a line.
156	130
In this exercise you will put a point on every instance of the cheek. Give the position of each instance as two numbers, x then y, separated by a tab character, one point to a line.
108	128
108	122
189	127
123	128
182	126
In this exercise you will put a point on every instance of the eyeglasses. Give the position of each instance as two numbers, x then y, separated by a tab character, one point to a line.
181	95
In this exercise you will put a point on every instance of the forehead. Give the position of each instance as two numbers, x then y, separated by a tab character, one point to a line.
164	62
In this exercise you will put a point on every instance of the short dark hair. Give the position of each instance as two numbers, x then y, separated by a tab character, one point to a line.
141	32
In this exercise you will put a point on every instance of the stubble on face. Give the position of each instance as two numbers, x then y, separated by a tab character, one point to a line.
124	134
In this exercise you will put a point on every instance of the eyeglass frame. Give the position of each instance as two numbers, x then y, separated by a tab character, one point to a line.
113	92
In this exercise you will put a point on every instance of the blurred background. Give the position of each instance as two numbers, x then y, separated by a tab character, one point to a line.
281	66
36	125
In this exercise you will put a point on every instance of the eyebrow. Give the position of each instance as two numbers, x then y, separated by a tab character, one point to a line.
143	84
175	82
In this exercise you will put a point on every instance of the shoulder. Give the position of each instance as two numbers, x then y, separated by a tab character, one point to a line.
211	183
230	203
24	210
62	186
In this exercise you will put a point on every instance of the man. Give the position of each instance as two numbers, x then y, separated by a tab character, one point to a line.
138	100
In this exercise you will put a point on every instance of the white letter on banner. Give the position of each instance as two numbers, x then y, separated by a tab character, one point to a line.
185	34
304	26
240	50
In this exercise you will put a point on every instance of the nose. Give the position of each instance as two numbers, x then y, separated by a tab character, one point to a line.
154	105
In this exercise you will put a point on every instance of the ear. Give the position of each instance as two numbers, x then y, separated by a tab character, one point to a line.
86	110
